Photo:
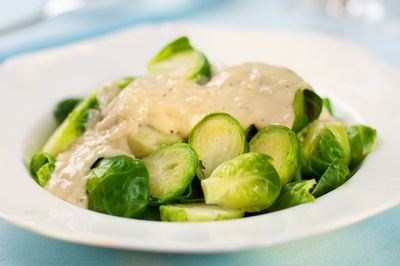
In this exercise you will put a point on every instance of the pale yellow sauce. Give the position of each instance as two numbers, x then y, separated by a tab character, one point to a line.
252	93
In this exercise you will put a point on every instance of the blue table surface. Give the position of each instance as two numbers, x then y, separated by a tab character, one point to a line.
375	241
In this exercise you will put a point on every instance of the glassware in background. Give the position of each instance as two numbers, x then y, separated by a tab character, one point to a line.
22	13
348	17
371	11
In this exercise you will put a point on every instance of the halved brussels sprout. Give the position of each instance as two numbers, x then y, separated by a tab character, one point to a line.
336	174
197	212
322	143
307	106
248	182
171	169
41	167
64	108
216	138
362	140
72	127
180	60
293	194
282	145
147	139
119	186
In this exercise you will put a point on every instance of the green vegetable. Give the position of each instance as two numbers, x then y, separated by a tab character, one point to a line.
171	169
336	174
293	194
180	60
41	167
147	139
307	106
322	143
217	138
327	104
248	182
125	81
72	127
64	107
197	212
282	145
362	140
119	186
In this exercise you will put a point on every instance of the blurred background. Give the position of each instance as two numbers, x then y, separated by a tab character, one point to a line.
27	25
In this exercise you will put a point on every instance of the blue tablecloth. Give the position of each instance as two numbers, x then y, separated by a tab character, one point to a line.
375	241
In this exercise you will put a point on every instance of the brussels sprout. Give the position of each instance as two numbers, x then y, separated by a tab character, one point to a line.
72	127
362	140
248	182
180	60
124	82
293	194
64	107
336	174
323	142
197	212
327	104
307	106
250	132
41	167
282	145
147	139
119	186
171	169
216	139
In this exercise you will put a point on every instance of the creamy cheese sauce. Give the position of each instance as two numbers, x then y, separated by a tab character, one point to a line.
252	93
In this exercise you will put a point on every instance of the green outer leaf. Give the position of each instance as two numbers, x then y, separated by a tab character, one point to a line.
197	212
313	104
362	141
41	167
179	45
282	145
119	186
336	174
307	106
299	108
64	108
72	127
211	147
323	142
125	81
293	194
171	169
248	182
327	103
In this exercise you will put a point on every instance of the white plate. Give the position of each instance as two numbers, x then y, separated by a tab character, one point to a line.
363	89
